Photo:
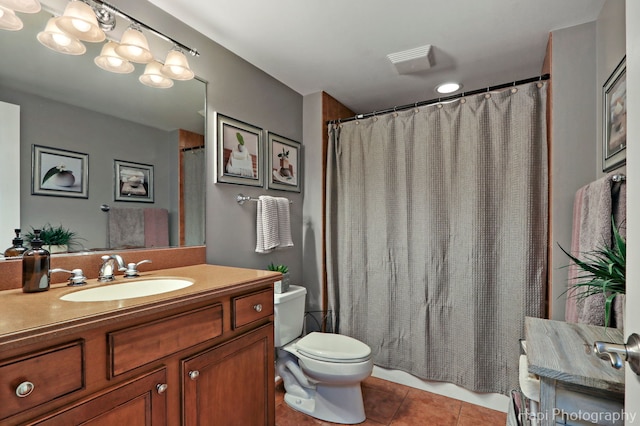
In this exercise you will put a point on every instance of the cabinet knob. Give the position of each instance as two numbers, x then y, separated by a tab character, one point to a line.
161	387
24	389
194	374
258	307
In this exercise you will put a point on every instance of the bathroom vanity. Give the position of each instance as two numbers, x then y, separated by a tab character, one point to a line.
202	354
576	386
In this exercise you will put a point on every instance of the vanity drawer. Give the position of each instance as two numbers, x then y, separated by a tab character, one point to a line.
252	307
40	377
136	346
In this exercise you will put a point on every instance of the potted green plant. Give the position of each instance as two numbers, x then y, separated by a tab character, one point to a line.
602	271
281	286
55	239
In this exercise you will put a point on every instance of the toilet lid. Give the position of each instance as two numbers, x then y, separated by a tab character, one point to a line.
333	347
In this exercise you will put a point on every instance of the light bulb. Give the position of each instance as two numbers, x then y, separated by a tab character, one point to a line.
80	25
115	62
55	39
79	20
110	61
61	39
134	50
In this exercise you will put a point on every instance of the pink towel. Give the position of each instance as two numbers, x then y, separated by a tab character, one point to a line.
156	227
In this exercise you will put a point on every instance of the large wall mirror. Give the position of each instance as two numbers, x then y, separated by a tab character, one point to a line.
68	103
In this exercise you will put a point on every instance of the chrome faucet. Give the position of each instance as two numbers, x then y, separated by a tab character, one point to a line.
131	270
108	268
75	279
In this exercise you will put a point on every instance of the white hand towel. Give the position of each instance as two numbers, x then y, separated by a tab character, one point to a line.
284	223
273	224
267	238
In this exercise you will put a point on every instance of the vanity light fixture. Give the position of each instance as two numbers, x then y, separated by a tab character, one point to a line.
176	66
109	60
87	20
134	46
9	21
154	77
56	39
448	87
79	20
24	6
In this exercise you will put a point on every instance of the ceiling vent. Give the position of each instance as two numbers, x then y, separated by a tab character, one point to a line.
413	60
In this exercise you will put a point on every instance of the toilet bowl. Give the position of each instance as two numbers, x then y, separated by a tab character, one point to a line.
321	371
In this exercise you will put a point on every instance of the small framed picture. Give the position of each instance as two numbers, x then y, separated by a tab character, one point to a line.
240	152
59	172
614	119
284	163
133	182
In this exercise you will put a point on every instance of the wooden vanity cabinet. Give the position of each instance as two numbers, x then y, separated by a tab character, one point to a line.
140	401
231	384
209	360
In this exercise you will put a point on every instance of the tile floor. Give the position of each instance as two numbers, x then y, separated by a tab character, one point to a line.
388	403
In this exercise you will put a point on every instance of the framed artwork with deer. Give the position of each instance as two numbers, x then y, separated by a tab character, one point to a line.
284	163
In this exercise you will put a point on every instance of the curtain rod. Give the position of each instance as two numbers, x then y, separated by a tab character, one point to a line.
438	100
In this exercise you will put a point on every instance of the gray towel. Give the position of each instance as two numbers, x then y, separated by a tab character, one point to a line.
597	207
126	228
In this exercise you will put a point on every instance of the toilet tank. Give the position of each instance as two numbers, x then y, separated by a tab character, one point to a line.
288	314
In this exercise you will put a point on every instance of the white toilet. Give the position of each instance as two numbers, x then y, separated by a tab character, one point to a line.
321	371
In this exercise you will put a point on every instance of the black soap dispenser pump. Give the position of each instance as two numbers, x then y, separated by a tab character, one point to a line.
35	266
17	249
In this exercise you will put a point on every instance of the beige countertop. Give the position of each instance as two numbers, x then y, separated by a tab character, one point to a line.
564	352
27	315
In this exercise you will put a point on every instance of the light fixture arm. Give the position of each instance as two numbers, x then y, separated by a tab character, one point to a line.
113	9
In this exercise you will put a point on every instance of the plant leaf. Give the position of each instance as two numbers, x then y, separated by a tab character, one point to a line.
52	171
240	138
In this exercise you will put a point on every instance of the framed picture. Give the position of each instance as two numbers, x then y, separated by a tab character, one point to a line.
59	172
240	152
614	119
133	182
284	163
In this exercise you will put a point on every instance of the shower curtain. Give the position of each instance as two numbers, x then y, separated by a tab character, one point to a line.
194	196
437	234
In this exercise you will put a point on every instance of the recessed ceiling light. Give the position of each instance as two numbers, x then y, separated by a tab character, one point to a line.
448	87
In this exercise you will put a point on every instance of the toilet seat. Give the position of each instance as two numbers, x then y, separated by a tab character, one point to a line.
333	348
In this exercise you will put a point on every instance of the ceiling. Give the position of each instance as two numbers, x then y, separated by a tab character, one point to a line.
341	47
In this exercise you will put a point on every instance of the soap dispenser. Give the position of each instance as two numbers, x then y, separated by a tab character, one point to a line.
17	249
35	266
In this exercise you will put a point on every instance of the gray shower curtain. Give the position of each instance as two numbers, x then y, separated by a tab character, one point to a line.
437	234
194	196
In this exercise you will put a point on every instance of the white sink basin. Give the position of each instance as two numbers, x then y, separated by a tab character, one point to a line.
128	290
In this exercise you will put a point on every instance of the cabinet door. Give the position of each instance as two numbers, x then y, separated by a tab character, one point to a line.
233	383
138	402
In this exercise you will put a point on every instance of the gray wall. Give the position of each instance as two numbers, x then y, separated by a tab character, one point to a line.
583	58
239	90
104	138
312	211
573	153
